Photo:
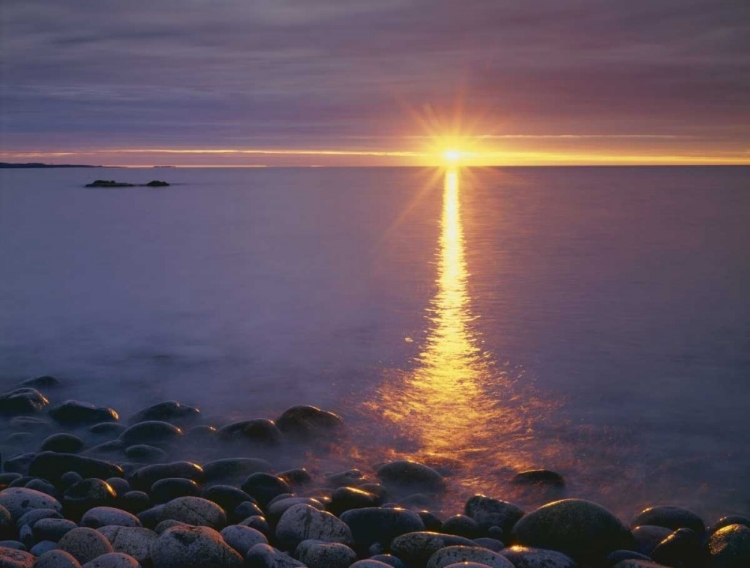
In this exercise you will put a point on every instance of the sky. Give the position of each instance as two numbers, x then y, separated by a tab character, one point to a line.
386	82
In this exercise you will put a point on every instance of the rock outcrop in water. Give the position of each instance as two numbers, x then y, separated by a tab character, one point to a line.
105	496
113	183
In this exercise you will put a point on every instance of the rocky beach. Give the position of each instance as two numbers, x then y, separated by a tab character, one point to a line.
164	488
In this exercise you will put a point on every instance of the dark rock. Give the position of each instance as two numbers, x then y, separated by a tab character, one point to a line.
265	556
247	509
76	413
202	432
43	382
7	478
490	543
86	495
143	478
113	560
409	476
195	511
416	548
157	183
242	538
145	453
346	498
120	485
41	547
170	411
681	549
227	497
170	488
29	424
134	541
53	466
22	481
264	487
14	544
344	478
108	516
234	470
20	463
648	537
51	529
18	501
671	517
84	544
20	439
619	555
108	183
22	401
581	529
43	486
193	547
107	448
729	520
538	477
317	554
35	515
308	421
461	525
258	523
488	512
458	554
134	502
275	510
431	521
63	443
150	518
375	524
523	557
152	432
296	477
259	431
729	547
57	559
303	522
386	559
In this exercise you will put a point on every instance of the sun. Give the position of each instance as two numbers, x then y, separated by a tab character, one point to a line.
451	156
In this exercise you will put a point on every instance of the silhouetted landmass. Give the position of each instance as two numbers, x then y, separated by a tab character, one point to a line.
113	183
40	165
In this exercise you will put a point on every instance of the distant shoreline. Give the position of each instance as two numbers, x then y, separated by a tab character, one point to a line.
40	165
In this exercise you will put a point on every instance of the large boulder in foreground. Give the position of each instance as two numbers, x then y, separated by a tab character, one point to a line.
20	500
193	547
581	529
303	522
729	547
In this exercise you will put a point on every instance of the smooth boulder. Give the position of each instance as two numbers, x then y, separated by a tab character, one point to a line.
303	522
193	547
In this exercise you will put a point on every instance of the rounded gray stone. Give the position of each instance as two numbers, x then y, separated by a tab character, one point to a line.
303	522
135	541
265	556
52	529
524	557
20	500
317	554
729	547
113	560
85	544
416	548
489	512
193	547
242	538
195	511
457	554
106	516
57	559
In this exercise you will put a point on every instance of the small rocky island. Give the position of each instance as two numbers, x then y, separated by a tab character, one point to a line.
113	183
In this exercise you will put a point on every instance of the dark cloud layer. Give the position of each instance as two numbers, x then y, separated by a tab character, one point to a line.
315	73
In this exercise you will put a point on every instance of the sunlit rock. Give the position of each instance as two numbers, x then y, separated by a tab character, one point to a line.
729	547
671	517
22	401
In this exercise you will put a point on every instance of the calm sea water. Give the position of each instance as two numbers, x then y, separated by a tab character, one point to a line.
595	321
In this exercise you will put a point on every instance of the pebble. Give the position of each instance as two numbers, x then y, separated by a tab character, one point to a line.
113	560
374	524
525	557
581	529
52	466
489	512
170	488
57	559
77	413
22	401
135	541
729	547
20	500
145	453
317	554
152	432
308	421
303	522
671	517
195	511
258	431
52	529
457	554
170	411
87	494
143	478
109	516
416	548
265	556
41	547
538	477
242	538
84	544
408	476
193	547
264	487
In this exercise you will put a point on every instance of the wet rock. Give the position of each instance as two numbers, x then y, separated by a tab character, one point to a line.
375	524
109	429
242	538
523	557
120	485
145	453
77	413
170	411
87	494
43	486
107	449
388	560
247	509
416	548
317	554
581	529
22	401
538	477
85	544
193	547
227	497
52	466
296	477
12	558
461	525
729	547
134	502
275	510
144	478
303	522
109	516
195	511
19	501
671	517
407	476
20	463
234	470
344	478
729	520
43	382
431	521
619	555
170	488
258	431
264	487
51	529
35	515
488	512
259	523
347	498
682	548
63	443
648	537
57	559
308	421
458	554
41	547
152	432
113	560
265	556
135	541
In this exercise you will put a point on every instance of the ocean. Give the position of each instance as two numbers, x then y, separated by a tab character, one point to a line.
593	321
